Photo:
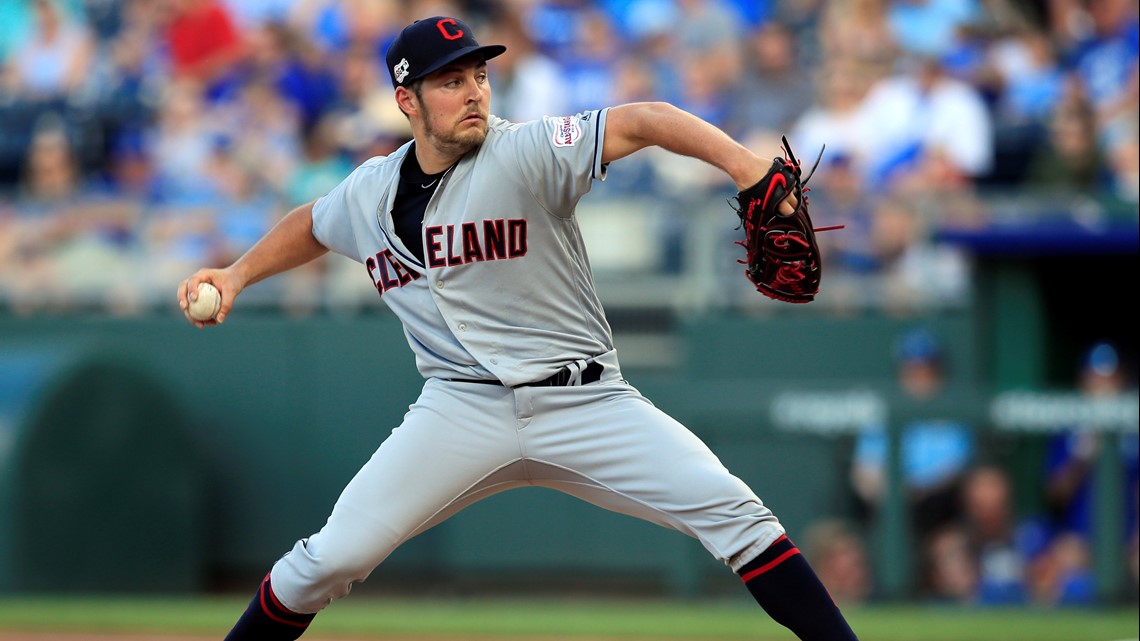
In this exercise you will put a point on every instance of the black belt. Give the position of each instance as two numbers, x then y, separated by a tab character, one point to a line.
591	374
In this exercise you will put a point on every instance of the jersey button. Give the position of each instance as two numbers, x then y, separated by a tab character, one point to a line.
463	327
439	284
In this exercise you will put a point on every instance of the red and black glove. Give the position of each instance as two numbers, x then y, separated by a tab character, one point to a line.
783	258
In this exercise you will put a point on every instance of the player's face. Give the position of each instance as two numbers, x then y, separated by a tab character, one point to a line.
454	102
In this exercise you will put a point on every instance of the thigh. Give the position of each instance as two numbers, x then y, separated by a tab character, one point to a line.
456	444
619	451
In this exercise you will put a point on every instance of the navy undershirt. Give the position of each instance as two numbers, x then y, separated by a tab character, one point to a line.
412	196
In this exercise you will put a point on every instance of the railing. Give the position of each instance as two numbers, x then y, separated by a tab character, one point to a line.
654	252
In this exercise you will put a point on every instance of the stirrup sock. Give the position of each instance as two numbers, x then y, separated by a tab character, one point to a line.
267	620
783	583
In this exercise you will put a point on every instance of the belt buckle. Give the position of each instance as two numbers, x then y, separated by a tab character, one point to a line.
592	373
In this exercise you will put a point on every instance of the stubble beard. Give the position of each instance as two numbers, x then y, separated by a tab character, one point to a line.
454	142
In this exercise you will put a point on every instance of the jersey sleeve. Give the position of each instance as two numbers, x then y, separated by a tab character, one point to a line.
334	212
561	157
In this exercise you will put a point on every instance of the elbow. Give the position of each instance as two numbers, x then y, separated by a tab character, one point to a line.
653	112
645	118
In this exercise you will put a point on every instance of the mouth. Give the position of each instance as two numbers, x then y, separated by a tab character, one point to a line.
473	118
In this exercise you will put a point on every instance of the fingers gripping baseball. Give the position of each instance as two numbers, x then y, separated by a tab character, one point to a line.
207	297
788	205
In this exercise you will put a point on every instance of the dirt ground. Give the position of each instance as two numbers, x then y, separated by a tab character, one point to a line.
82	637
47	636
71	636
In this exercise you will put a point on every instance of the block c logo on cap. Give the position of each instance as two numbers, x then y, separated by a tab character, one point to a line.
443	24
400	71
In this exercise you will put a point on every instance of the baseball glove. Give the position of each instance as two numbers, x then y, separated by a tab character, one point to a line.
782	255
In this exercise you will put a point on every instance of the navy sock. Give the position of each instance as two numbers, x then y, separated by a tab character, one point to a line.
783	583
267	620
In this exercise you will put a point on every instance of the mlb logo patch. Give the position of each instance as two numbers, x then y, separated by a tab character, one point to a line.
401	70
567	131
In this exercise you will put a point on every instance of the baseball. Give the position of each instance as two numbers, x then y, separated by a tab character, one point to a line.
208	303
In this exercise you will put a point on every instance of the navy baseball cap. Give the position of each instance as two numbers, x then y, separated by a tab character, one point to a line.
427	45
1101	359
918	345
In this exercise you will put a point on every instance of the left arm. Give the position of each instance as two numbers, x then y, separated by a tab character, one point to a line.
643	124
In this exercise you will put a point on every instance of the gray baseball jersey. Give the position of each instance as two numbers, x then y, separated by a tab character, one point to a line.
505	293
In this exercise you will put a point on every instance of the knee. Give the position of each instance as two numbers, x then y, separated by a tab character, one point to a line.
307	580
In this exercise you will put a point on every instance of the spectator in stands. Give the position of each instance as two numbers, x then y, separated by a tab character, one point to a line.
803	19
322	166
588	72
245	208
949	569
203	42
261	129
299	71
934	454
1070	159
557	26
858	31
181	142
1027	77
834	119
71	239
653	46
53	62
714	33
991	526
913	271
369	122
41	221
770	95
52	180
940	192
527	83
839	555
983	556
1072	453
1061	574
372	24
909	116
1106	60
130	170
130	82
708	58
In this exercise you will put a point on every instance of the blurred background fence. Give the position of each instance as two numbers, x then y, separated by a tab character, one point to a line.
955	417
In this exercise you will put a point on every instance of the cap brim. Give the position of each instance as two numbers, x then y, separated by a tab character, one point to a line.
487	51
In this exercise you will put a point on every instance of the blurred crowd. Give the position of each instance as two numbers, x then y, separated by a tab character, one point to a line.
142	139
978	536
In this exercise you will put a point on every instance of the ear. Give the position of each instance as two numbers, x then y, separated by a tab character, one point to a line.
407	101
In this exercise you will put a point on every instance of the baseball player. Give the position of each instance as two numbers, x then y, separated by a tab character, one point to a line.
468	234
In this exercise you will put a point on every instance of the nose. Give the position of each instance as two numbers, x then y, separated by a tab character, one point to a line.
476	92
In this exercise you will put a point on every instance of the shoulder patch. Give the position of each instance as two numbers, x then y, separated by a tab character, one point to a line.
567	131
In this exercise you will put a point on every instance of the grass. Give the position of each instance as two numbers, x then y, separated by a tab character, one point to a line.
471	619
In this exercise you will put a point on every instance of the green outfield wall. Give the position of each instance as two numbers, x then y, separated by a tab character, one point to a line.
184	459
